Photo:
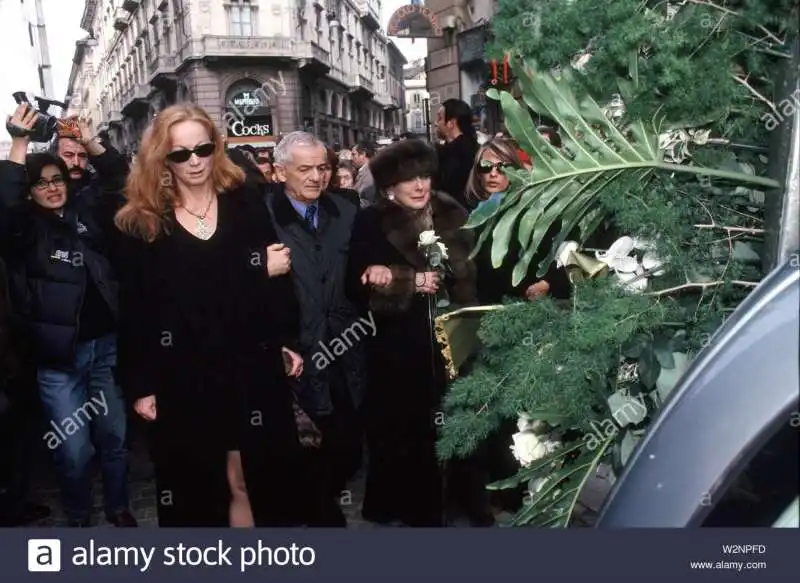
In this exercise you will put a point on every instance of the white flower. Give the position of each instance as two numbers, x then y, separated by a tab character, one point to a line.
675	143
435	249
615	109
652	263
528	448
629	271
562	255
700	137
427	238
643	244
634	282
579	61
620	248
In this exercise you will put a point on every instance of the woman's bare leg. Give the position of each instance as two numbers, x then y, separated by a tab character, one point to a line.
240	514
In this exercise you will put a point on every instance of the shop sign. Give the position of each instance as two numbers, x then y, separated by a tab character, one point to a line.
414	21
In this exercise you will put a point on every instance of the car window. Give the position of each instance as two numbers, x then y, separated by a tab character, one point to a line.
790	517
764	490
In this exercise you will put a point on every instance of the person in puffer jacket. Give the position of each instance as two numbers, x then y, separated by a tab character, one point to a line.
63	287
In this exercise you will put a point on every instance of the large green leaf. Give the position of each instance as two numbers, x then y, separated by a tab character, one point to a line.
565	185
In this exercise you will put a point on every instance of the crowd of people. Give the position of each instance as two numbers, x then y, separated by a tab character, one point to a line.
265	312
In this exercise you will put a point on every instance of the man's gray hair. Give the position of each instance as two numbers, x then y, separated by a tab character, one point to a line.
283	151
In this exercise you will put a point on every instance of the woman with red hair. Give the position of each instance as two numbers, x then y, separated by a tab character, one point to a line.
208	313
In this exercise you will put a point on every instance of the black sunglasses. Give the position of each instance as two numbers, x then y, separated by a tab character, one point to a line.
486	167
183	155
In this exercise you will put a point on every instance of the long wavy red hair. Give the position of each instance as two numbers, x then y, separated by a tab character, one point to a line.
150	189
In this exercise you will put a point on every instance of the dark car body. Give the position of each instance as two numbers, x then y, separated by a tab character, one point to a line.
723	451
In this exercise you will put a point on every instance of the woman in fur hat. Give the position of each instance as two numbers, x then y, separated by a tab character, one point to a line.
392	280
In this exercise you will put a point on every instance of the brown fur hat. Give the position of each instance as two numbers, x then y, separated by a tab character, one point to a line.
402	161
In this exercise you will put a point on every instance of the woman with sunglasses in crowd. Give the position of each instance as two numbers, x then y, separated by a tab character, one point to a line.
487	185
209	314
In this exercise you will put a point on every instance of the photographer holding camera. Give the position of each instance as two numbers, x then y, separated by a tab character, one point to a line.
55	241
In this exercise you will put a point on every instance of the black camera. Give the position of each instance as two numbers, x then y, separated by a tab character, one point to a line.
46	124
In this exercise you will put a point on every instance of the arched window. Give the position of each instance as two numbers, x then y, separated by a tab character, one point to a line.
247	117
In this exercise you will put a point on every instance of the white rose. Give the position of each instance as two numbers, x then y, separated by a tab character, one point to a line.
427	238
442	250
632	282
652	263
527	447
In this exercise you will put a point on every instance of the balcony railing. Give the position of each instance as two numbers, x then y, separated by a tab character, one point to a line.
366	82
370	14
359	84
320	54
159	64
121	18
237	46
314	59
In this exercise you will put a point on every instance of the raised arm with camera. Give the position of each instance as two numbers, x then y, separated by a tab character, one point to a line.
14	199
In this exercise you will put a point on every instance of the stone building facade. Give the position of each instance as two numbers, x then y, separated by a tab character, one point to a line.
261	68
455	66
417	108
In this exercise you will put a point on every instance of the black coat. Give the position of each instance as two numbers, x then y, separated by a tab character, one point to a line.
348	194
203	332
49	257
495	285
331	331
406	371
456	159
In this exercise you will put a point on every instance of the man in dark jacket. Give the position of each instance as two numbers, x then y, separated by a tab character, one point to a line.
316	227
457	154
55	243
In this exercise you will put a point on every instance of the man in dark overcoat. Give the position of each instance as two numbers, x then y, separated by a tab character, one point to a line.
316	226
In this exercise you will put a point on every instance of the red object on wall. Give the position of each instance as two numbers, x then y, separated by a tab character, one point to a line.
493	80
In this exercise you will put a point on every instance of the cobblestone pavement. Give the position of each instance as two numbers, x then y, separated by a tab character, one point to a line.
143	496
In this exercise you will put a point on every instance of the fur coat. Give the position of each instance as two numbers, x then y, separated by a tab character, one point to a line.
388	234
